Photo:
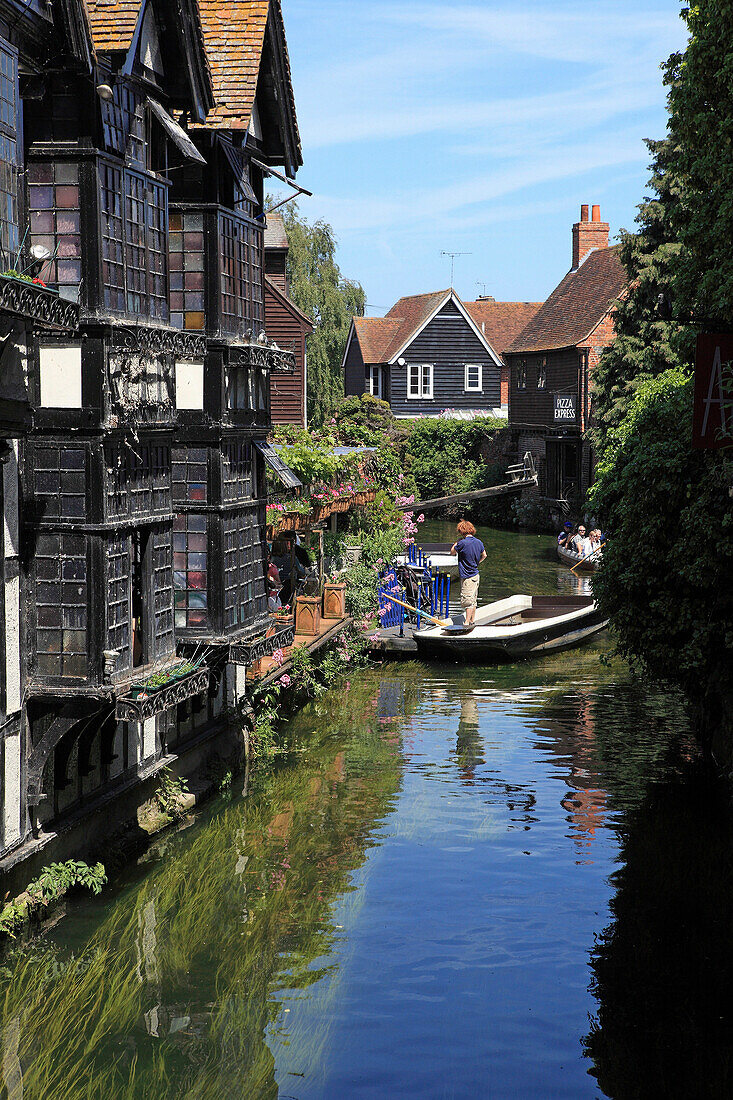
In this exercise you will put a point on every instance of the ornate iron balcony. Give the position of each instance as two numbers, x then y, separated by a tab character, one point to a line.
38	304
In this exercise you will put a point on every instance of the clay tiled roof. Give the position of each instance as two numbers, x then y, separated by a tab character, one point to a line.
376	336
380	338
234	35
501	322
577	305
275	233
112	23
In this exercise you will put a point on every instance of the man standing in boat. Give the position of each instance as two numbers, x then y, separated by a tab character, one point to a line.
471	553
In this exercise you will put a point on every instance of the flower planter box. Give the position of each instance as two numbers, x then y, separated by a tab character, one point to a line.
308	615
353	554
334	601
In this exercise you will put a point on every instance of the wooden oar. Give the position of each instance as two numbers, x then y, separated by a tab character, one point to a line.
579	563
425	615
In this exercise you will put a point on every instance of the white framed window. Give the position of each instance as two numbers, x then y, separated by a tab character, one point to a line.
373	381
420	381
473	381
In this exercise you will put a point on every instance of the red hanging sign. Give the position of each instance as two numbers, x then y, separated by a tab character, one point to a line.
712	422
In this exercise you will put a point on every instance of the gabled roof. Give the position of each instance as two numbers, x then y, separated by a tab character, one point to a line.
376	335
235	37
275	233
116	26
577	306
383	339
501	322
289	304
112	23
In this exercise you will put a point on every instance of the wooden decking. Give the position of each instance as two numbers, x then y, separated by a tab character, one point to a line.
267	669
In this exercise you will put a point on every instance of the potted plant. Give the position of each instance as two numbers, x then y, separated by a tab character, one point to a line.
353	547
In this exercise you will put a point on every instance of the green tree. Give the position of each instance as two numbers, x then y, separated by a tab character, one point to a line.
646	344
320	290
666	573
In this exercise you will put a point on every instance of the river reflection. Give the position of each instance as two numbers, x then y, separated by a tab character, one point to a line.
457	871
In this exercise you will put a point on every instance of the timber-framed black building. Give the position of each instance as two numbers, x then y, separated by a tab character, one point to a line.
146	404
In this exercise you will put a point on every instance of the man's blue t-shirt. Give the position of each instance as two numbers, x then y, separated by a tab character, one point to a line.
469	552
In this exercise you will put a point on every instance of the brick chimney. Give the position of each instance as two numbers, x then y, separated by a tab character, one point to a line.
588	235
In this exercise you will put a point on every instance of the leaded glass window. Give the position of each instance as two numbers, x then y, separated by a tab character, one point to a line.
190	571
236	460
113	241
244	586
189	474
186	244
240	249
59	482
118	599
163	591
134	242
123	124
8	153
61	605
53	190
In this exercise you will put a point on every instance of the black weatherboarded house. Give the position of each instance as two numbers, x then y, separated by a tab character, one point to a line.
426	357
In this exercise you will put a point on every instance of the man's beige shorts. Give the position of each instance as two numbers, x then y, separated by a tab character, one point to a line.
469	591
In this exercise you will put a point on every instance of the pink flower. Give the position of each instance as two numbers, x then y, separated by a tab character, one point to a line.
374	637
382	612
278	656
421	518
285	680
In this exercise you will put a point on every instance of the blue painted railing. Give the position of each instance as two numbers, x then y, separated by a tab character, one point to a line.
433	594
391	614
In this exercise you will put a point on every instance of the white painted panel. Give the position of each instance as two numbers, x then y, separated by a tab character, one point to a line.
11	789
10	502
12	636
60	369
149	742
189	385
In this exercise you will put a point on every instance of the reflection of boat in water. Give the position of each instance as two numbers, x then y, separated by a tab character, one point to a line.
569	557
519	626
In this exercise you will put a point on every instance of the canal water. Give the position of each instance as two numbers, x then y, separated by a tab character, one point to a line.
499	881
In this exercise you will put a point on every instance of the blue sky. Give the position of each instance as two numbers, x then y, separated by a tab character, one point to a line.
475	127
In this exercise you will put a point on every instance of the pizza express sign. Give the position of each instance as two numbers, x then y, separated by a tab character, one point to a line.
565	408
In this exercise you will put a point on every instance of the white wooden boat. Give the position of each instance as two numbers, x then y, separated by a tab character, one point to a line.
569	557
516	627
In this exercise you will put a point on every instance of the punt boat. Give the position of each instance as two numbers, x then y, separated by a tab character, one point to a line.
569	557
518	626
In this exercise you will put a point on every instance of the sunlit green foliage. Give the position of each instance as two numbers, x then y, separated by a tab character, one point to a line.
669	559
319	289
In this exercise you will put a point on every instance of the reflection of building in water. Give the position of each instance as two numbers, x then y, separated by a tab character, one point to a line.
469	745
572	726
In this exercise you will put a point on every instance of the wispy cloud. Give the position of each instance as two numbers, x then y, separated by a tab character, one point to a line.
422	118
